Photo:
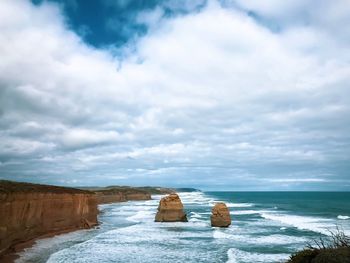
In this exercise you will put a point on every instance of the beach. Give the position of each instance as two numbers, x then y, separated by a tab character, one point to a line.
266	227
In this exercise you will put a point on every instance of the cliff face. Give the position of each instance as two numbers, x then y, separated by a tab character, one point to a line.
112	194
29	211
121	194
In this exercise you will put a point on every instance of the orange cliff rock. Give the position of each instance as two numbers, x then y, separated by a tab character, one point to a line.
29	211
121	194
170	209
220	215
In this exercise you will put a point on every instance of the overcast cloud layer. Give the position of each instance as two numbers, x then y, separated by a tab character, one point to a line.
241	95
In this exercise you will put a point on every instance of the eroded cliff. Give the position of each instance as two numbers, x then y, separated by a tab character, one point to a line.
29	211
121	194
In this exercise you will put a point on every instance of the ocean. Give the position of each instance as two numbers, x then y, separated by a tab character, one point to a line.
266	227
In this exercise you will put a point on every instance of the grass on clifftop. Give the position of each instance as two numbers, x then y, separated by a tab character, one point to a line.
7	187
130	189
333	249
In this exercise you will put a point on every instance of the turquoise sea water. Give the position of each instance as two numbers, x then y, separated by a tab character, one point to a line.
266	227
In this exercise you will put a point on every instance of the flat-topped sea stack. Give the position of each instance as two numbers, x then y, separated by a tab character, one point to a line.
170	209
220	215
28	211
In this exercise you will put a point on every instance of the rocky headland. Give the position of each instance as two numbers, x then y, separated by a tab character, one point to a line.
113	194
119	194
171	209
29	211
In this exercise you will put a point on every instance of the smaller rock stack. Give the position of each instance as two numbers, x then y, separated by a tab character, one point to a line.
220	215
170	209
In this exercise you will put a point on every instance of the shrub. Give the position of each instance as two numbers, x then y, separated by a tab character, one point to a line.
332	249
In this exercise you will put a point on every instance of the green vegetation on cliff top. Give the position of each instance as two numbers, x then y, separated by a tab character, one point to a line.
7	187
22	187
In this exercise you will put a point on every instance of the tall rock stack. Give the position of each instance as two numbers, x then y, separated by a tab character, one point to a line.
170	209
220	215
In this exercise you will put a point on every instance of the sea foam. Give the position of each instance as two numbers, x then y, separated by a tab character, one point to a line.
343	217
315	224
238	256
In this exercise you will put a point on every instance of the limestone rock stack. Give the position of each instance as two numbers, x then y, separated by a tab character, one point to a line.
170	209
220	216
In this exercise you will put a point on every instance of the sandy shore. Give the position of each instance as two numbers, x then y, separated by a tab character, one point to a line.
13	252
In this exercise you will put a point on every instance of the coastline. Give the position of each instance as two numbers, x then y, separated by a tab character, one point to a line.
13	252
34	211
29	211
130	226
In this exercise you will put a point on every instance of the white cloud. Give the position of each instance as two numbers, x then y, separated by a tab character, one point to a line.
79	138
214	89
298	180
327	16
273	7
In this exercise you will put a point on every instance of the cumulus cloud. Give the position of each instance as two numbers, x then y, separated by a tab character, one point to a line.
210	96
327	16
80	138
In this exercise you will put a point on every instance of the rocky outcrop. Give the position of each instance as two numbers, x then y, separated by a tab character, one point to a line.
158	190
115	193
170	209
220	216
29	211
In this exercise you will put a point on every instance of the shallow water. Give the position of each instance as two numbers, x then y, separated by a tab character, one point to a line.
266	227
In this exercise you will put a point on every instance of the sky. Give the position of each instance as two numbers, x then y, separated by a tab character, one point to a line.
215	94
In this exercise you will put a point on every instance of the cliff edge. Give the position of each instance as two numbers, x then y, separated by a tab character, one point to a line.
121	194
115	193
29	211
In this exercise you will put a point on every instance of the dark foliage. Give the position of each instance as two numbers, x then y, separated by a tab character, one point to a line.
332	249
